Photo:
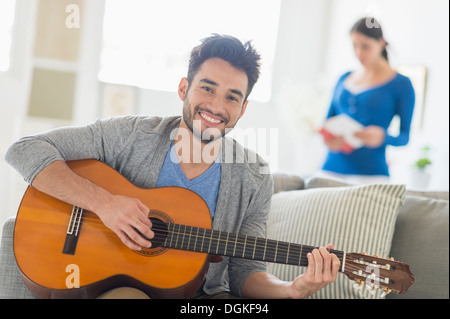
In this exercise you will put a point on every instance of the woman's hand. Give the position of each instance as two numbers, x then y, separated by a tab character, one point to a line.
334	143
372	136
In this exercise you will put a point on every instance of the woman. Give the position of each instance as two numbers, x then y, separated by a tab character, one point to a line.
372	95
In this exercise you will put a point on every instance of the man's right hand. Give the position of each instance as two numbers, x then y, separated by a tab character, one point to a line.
126	217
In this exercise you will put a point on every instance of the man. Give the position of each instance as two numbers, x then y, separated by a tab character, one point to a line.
156	152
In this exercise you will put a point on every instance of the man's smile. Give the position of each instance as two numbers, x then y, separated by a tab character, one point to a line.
210	119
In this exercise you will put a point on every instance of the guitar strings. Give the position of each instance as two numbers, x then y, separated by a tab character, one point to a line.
270	245
270	248
303	258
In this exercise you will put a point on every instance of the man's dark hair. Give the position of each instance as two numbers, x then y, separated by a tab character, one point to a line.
241	56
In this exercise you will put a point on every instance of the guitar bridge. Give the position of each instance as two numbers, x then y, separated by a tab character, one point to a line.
76	219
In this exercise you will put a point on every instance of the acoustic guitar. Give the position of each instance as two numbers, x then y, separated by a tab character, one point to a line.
64	251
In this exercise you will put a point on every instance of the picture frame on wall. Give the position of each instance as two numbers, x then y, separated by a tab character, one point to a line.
417	73
118	100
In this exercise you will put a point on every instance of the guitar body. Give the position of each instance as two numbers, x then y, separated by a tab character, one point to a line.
100	261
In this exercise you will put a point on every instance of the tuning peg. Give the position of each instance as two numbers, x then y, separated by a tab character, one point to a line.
358	284
386	291
392	258
371	290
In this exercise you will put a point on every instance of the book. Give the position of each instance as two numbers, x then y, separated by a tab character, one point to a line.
345	126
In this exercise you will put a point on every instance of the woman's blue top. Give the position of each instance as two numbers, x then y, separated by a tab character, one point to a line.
374	106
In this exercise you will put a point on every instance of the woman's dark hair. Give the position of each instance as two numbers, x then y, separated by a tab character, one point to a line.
241	56
370	27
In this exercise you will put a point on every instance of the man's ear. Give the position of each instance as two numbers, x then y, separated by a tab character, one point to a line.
182	88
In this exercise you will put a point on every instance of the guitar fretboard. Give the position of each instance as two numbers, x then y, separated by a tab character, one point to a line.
233	245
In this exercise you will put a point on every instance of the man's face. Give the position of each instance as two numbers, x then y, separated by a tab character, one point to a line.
214	101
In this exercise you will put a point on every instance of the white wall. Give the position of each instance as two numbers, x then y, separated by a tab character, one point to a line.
313	49
14	90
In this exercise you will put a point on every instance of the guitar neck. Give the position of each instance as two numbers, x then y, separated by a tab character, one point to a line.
241	246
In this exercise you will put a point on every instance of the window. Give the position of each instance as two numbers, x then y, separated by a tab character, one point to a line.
147	43
7	12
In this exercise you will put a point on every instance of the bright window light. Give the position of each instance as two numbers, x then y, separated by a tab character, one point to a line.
7	11
147	43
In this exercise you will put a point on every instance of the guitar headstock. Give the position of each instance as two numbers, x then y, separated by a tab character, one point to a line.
376	272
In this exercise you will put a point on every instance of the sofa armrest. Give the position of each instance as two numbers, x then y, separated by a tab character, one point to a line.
11	283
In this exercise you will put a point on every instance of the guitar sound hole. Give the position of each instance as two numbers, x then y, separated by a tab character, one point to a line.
160	229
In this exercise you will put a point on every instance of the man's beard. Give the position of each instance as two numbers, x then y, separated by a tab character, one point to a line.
210	134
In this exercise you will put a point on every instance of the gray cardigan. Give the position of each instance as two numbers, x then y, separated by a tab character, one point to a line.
136	147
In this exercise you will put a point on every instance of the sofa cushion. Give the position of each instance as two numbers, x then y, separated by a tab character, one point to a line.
421	239
287	182
353	219
317	182
11	283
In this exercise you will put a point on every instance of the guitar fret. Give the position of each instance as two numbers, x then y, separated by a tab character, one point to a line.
195	243
287	255
184	236
270	253
181	237
300	256
218	242
189	241
276	251
259	252
254	249
282	252
240	245
235	244
218	232
178	235
213	241
245	244
265	248
226	244
294	250
210	240
203	239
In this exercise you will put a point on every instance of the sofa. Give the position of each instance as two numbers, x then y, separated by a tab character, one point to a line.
386	220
